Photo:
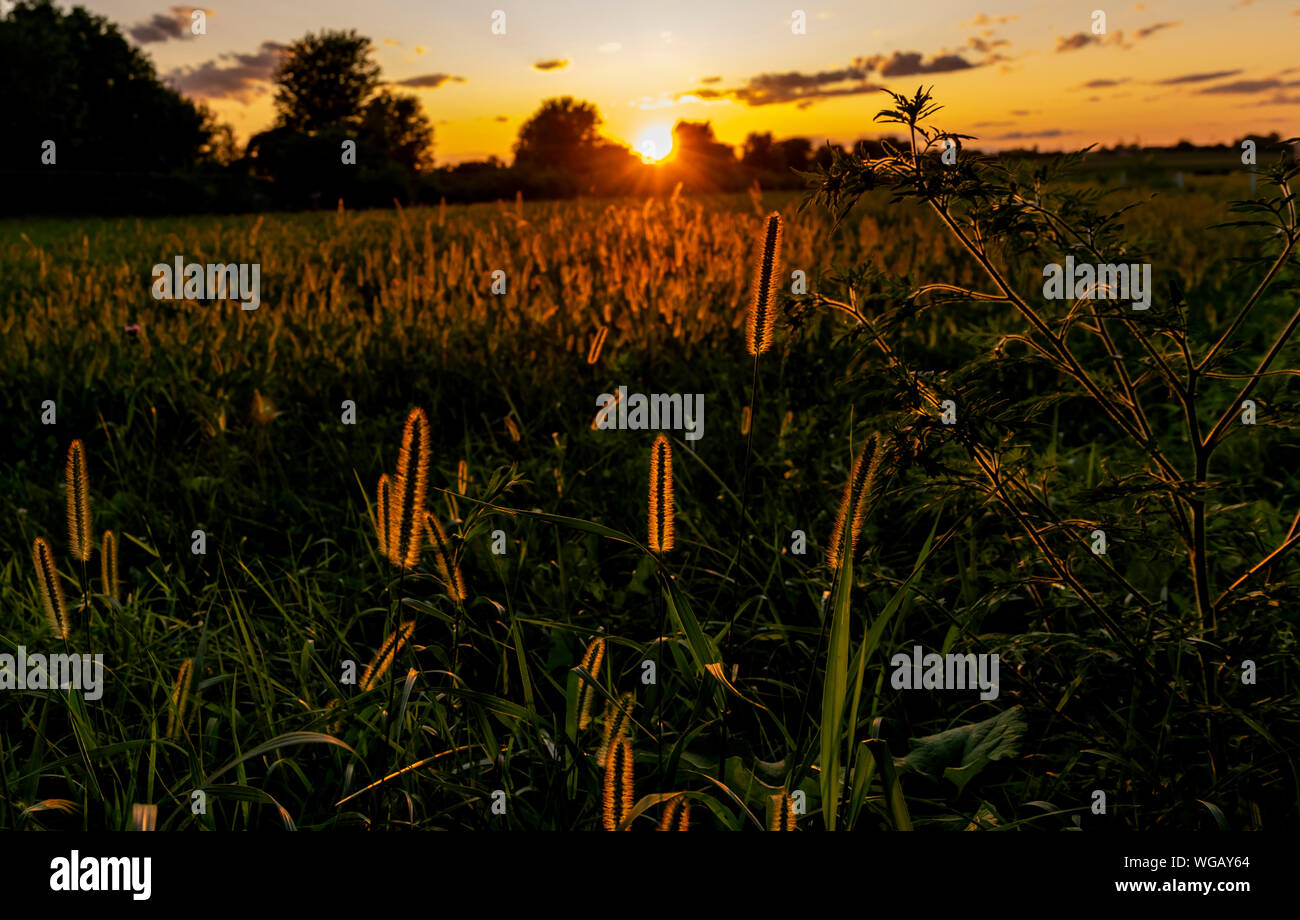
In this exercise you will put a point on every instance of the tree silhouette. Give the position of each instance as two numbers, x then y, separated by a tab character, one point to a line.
324	80
561	135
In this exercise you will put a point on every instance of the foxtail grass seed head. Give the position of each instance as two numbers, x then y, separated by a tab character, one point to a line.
592	659
857	498
108	566
47	580
382	497
448	568
618	717
618	783
677	814
180	698
597	342
762	305
383	659
782	817
744	421
661	496
406	501
512	429
144	817
462	478
80	538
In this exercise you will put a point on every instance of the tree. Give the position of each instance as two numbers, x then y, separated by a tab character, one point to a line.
71	78
561	135
395	127
324	81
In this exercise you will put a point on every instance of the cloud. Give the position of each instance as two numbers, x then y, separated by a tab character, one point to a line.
245	76
555	64
992	124
1198	77
804	89
1247	86
1278	99
1028	135
175	23
428	81
910	63
501	118
984	19
1098	84
985	46
1074	42
1151	30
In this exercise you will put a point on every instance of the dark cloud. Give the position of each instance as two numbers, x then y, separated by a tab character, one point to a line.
175	23
802	88
1075	42
1151	30
985	46
1022	112
1099	84
244	76
710	79
1029	135
502	118
1278	99
1198	77
910	63
993	124
984	19
1247	86
555	64
429	81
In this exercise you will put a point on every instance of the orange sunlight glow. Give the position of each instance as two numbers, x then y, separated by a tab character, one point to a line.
655	143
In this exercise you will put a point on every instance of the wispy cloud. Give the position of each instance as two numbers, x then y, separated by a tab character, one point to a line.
428	81
1198	77
554	64
1248	86
1152	29
1029	135
161	27
230	76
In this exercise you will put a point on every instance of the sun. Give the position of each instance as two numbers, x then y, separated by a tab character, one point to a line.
655	143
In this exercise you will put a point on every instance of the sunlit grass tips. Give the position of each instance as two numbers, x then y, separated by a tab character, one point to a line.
856	500
592	659
677	814
406	499
661	496
618	783
448	568
47	579
383	659
180	698
762	305
108	566
80	538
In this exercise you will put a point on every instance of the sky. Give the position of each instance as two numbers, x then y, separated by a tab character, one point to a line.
1015	74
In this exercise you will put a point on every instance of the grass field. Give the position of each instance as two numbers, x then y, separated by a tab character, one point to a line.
232	422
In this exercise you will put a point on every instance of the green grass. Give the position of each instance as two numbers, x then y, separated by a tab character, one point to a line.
393	310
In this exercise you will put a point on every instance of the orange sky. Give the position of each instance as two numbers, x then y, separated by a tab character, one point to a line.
1015	74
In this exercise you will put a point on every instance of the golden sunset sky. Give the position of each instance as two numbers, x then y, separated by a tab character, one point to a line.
1014	74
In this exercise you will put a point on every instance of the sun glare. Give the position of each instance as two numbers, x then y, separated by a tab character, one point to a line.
655	143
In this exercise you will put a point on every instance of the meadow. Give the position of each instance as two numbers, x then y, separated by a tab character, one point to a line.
522	701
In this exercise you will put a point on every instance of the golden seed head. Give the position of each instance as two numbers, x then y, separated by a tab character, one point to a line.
782	817
108	565
592	659
80	538
407	494
383	659
51	589
762	305
661	496
448	567
180	698
677	814
857	498
618	783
